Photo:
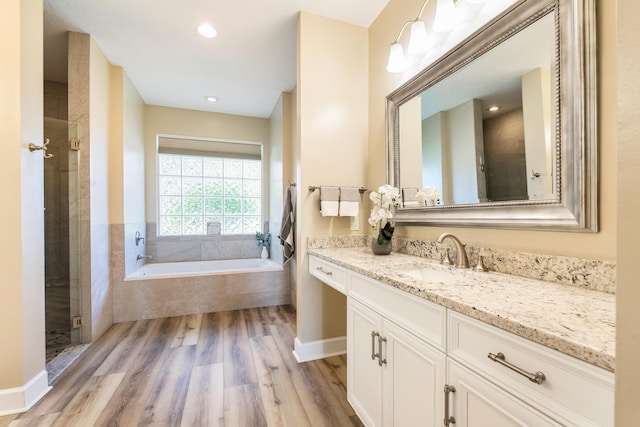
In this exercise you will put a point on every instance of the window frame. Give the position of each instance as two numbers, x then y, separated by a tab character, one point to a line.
231	154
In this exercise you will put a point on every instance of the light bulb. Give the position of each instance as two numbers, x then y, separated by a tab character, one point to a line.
207	31
397	61
445	19
419	41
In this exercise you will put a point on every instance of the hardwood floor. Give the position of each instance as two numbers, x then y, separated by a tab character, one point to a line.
230	368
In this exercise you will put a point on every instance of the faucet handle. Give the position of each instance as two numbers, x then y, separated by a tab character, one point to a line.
446	258
480	266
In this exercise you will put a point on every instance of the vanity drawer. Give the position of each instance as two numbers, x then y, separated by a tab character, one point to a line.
424	319
331	274
573	392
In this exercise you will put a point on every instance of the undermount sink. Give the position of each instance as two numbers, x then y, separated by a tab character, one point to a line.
429	274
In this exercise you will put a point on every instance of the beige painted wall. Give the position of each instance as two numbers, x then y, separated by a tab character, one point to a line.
600	245
174	121
100	88
133	152
628	291
126	151
22	326
276	144
331	148
116	147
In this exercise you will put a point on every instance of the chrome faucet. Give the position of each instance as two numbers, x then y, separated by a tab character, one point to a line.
461	259
144	257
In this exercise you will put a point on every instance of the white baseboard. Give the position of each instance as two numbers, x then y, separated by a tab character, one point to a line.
314	350
21	399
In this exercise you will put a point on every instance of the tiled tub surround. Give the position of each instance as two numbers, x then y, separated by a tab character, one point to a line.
199	248
576	321
166	297
152	298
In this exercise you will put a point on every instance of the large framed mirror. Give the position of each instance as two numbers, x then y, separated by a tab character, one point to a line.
504	125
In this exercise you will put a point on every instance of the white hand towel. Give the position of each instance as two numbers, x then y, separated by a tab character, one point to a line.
349	201
329	201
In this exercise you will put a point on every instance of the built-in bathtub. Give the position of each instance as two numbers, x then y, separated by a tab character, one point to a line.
193	287
165	270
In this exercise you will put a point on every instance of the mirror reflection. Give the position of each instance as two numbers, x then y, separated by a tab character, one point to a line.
487	132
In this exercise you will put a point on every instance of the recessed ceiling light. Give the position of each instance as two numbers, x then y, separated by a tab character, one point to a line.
211	98
494	108
207	31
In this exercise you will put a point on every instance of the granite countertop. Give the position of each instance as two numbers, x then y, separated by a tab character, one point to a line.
572	320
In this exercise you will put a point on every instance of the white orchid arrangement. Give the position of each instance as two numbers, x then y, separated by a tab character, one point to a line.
384	200
428	196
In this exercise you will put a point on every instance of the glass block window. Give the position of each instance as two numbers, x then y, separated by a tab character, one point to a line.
194	190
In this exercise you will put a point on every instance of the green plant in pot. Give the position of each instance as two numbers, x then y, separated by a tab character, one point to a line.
264	240
384	201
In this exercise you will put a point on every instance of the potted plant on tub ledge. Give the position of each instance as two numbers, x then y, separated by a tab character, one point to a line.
264	240
384	201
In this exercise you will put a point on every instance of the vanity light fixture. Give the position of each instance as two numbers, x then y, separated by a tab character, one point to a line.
206	30
211	98
445	19
419	41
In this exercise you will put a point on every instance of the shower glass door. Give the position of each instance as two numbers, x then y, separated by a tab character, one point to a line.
62	236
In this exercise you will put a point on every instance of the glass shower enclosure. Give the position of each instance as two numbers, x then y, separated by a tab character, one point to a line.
62	236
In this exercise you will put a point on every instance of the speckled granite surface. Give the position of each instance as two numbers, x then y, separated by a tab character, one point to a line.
573	320
584	273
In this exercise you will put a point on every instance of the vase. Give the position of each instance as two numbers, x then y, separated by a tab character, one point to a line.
384	249
265	253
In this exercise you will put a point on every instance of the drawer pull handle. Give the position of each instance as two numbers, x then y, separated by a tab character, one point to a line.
448	419
374	334
537	378
381	361
321	270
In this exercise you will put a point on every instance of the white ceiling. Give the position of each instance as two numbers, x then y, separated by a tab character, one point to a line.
247	66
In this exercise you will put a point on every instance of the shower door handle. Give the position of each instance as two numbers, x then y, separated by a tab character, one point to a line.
43	147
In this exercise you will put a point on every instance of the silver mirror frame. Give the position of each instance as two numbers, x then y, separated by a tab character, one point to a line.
576	209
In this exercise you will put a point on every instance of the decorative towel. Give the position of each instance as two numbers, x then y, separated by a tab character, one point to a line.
349	201
409	197
286	228
329	198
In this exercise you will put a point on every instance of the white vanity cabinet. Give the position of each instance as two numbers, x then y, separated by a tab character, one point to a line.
474	401
411	362
568	390
329	273
395	377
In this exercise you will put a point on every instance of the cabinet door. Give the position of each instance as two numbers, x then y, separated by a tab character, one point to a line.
364	375
413	380
477	402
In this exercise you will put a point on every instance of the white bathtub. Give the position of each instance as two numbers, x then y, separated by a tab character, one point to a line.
167	270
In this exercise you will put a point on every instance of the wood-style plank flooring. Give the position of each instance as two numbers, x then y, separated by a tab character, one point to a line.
231	368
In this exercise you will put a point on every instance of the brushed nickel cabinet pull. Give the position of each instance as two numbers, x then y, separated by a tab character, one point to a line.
448	419
381	361
321	270
537	378
374	334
